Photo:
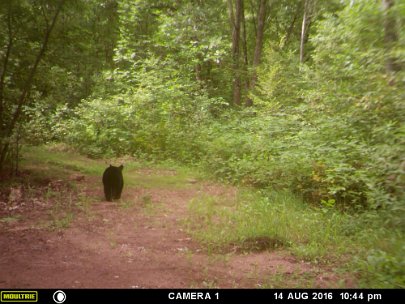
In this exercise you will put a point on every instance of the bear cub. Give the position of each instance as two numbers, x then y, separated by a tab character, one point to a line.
113	182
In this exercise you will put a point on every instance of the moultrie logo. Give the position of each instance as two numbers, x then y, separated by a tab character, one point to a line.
19	296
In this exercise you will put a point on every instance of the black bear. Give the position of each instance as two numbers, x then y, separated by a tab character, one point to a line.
113	182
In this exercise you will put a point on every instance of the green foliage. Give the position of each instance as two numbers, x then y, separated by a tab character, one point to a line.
32	99
346	112
329	130
385	268
281	81
322	235
159	118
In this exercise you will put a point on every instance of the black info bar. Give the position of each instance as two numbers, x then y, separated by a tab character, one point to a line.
217	296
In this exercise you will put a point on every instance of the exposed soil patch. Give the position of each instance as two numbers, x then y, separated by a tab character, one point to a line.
138	242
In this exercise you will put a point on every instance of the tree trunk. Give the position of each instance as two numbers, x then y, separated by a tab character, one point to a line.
261	17
4	70
390	36
257	56
22	99
245	54
244	40
292	25
235	19
304	29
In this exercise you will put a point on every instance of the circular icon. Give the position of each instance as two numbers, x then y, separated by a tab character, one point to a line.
59	296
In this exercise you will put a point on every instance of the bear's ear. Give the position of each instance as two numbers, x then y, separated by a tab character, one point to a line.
110	165
121	167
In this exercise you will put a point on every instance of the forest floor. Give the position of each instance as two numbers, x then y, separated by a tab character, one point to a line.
57	231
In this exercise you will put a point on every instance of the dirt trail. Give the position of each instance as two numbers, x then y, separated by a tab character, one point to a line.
140	244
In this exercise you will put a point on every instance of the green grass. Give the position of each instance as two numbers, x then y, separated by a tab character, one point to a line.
58	161
61	221
159	178
84	203
62	211
264	220
10	219
126	204
281	279
362	245
57	164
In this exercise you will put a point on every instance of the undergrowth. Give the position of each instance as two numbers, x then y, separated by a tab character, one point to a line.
366	245
359	244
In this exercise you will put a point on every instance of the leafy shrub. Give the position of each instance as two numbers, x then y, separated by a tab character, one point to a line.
330	130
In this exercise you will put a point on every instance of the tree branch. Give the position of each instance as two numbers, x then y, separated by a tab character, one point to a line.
4	70
23	97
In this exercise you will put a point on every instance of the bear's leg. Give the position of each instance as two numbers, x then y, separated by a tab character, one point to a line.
119	190
114	192
108	193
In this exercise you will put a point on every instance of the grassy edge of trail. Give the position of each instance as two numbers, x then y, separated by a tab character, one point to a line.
360	245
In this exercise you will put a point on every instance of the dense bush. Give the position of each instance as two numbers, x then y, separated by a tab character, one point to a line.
331	129
158	119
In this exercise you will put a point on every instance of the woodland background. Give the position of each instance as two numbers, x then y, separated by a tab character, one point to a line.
300	97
